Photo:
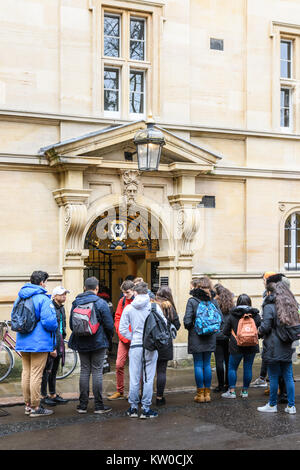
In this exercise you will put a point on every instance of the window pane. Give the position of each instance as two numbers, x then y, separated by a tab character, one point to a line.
285	50
111	100
111	36
111	47
137	50
137	29
111	90
111	79
137	92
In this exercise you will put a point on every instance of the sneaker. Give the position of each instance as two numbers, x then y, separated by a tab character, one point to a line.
80	409
60	400
28	410
228	394
40	412
259	383
148	414
244	394
48	401
104	409
291	410
267	408
116	396
132	412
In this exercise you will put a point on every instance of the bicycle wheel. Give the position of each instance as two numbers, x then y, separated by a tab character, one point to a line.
70	364
6	361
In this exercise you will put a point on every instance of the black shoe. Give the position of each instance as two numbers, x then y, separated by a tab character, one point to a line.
81	409
59	400
102	410
48	401
220	389
160	401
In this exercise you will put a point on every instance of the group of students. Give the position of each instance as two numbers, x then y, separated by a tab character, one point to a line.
42	348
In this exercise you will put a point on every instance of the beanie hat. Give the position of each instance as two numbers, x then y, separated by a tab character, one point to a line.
275	278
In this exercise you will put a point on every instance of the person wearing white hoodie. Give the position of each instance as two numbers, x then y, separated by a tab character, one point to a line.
135	315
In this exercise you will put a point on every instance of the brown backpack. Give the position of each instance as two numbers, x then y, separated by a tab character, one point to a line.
247	334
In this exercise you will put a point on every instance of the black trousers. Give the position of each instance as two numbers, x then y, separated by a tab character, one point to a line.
49	375
161	377
222	358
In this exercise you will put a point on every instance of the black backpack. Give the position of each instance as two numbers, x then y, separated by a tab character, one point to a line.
23	318
287	334
156	335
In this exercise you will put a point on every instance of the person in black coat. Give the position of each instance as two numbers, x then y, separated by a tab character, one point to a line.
165	300
92	349
237	353
201	347
225	301
279	308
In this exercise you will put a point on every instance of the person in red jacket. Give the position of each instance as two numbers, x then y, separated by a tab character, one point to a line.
124	344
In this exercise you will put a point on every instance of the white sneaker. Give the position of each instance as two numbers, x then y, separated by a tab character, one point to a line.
229	394
268	408
259	383
291	410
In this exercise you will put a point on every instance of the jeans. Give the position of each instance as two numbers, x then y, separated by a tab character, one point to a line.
91	363
222	358
234	362
49	375
286	370
136	371
202	369
161	377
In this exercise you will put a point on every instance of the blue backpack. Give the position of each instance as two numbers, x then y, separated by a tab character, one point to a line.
23	318
208	319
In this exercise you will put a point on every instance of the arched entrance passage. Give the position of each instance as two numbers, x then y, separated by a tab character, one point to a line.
123	241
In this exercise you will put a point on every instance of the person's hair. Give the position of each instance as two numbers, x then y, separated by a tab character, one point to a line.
91	283
127	285
165	298
130	277
285	303
137	280
203	283
244	299
225	298
38	276
141	288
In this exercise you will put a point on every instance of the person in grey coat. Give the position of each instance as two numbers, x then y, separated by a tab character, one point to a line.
201	347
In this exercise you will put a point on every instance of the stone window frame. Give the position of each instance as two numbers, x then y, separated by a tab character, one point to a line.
289	32
287	209
152	13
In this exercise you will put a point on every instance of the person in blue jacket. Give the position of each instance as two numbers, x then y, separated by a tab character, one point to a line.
92	349
36	345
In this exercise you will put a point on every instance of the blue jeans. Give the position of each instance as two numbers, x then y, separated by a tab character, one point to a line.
234	362
202	369
286	370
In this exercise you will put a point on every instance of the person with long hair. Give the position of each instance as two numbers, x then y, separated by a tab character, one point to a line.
165	300
200	346
237	353
279	308
225	300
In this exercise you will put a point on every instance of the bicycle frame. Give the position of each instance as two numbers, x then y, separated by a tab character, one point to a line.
11	344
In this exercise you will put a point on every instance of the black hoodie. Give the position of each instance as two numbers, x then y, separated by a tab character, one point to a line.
231	323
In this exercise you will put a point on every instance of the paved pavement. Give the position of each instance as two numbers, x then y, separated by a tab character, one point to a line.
181	425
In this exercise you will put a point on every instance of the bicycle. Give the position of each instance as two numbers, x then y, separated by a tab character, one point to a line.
7	359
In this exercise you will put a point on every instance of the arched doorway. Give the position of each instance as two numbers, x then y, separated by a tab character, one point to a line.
123	241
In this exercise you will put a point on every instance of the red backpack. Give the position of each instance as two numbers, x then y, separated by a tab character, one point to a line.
84	320
247	334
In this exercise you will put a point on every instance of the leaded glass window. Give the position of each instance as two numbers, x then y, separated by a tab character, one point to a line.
285	59
285	107
292	242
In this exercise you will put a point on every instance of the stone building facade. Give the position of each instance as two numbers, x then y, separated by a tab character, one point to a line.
221	80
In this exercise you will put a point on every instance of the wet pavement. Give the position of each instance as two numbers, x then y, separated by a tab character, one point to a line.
181	424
